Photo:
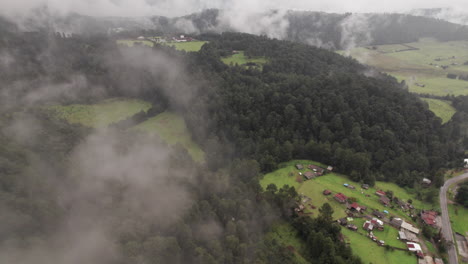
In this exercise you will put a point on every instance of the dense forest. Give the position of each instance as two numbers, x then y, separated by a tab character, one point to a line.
141	201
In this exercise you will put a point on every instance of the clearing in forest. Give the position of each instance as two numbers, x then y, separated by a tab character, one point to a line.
441	108
241	59
100	114
172	129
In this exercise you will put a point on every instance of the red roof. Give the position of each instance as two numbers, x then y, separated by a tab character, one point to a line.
429	217
380	192
354	205
341	197
410	245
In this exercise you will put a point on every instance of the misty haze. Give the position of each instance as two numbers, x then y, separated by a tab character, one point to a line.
234	132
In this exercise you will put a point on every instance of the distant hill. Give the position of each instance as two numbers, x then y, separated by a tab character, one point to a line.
448	14
329	30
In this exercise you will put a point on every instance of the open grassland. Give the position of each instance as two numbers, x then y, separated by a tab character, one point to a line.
288	174
370	252
131	43
288	237
441	108
241	59
192	46
101	114
459	218
421	67
172	129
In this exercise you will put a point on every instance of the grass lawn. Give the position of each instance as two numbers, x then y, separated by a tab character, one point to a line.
241	59
441	108
193	46
101	114
370	252
422	66
131	43
288	236
171	128
458	217
334	182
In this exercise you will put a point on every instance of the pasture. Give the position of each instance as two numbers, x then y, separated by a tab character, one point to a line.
441	108
242	60
288	174
427	65
192	46
458	215
101	114
171	128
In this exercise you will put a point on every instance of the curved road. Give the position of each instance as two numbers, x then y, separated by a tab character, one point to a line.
446	227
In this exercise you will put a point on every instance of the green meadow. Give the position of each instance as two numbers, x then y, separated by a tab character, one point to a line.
100	114
441	108
241	59
421	67
192	46
172	129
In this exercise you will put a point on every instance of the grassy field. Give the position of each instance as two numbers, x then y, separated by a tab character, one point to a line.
370	252
458	217
241	59
423	66
288	236
288	174
131	43
441	108
171	128
101	114
193	46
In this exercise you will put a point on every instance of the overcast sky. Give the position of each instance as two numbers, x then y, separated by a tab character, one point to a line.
181	7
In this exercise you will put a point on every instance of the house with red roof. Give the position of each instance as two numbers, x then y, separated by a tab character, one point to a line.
341	198
384	200
368	226
429	217
380	193
356	207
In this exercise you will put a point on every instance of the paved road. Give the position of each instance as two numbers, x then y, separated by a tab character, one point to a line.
446	227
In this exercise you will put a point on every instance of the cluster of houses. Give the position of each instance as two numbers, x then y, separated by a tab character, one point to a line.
314	171
181	38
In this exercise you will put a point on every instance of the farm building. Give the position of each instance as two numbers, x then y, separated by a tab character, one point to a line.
365	186
341	198
413	247
403	205
466	163
378	214
356	207
368	226
380	193
396	222
384	200
409	227
327	192
426	182
351	187
407	236
329	168
141	38
309	175
342	221
316	168
299	166
429	217
377	224
352	227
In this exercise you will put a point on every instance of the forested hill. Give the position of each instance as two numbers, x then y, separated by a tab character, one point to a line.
309	103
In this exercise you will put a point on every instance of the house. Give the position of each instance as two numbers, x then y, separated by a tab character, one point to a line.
409	227
309	175
368	226
329	168
380	193
351	187
413	247
352	227
365	186
141	38
426	182
465	162
407	236
341	198
384	200
342	221
299	167
377	224
316	169
403	205
380	242
327	192
355	207
378	214
396	222
429	217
